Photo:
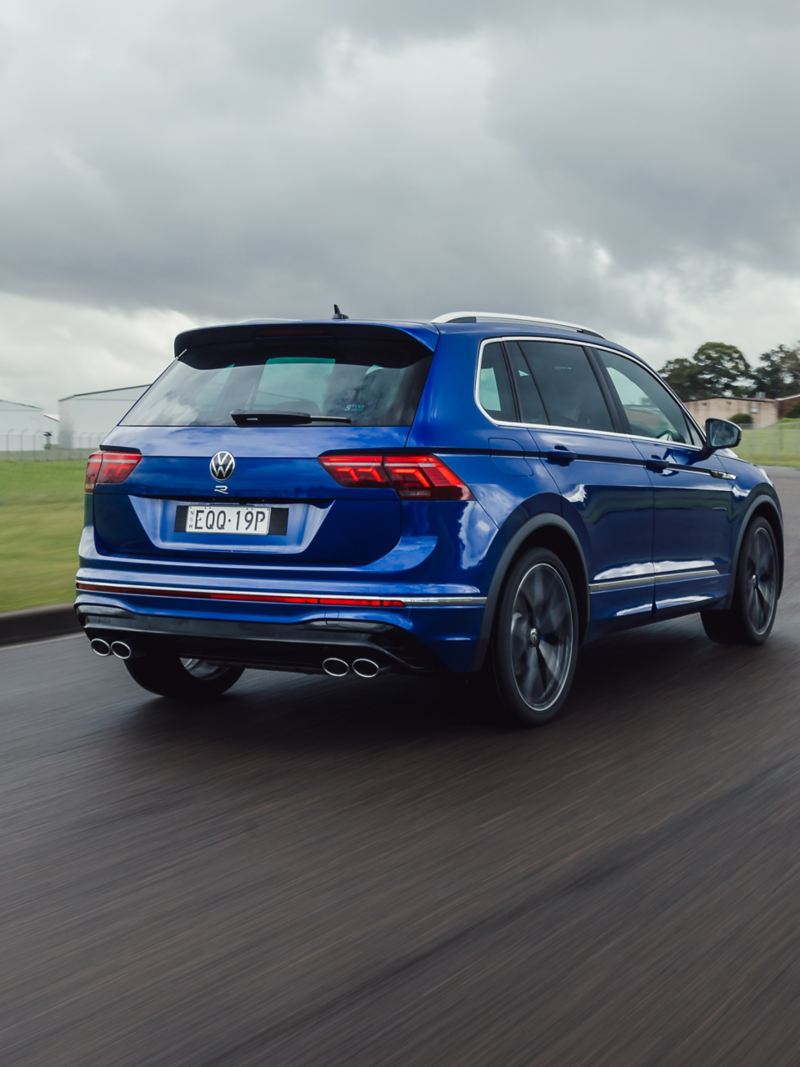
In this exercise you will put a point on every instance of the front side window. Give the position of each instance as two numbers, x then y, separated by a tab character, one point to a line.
569	389
650	410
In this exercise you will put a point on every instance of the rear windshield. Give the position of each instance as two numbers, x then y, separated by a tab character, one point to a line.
367	380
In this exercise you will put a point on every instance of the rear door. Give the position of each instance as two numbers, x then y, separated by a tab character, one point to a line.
273	400
599	473
692	538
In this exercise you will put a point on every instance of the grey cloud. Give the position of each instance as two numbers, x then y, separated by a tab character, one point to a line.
664	138
232	159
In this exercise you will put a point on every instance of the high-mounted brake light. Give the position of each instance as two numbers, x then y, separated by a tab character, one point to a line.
109	468
414	477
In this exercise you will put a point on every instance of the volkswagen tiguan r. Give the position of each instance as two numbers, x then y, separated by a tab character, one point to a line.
480	493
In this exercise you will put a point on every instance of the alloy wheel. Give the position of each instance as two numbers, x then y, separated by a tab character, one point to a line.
542	636
202	669
761	579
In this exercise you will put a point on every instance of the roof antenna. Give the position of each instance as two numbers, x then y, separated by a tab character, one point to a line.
337	314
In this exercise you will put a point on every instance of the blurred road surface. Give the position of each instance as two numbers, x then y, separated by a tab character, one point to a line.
321	873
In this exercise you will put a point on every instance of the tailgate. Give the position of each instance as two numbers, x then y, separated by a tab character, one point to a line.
230	438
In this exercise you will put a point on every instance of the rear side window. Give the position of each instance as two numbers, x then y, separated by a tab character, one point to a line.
567	384
531	408
494	385
369	377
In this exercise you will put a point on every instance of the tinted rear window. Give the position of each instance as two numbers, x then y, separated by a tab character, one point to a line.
372	380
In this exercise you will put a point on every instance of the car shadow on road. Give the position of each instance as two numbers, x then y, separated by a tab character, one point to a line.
632	680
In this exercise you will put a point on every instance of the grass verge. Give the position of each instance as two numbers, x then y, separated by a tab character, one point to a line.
773	446
41	515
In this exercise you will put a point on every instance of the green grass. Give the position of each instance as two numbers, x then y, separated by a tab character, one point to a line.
41	515
774	446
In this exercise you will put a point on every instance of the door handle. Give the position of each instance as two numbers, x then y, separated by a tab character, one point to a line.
658	466
561	455
661	466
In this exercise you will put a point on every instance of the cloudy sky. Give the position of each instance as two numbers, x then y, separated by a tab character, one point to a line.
631	165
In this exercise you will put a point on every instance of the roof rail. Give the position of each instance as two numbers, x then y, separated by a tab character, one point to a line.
497	316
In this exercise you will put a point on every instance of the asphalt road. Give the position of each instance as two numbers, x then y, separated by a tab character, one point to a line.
321	872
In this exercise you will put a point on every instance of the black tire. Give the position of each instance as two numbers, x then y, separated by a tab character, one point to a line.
535	639
190	681
751	616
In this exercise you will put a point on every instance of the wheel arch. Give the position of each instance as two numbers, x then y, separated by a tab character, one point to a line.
764	506
543	531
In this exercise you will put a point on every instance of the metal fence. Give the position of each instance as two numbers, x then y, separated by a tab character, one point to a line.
38	447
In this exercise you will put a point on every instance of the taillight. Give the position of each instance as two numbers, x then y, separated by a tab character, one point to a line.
361	472
109	468
417	477
425	477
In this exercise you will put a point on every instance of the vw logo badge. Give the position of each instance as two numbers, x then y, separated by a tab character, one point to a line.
222	465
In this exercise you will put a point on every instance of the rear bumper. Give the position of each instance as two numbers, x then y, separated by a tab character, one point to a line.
267	646
415	630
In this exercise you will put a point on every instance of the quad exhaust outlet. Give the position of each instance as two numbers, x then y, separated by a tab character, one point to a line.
101	647
365	668
335	667
339	668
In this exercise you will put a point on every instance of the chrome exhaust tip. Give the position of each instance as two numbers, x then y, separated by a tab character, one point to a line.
335	667
121	649
366	668
100	647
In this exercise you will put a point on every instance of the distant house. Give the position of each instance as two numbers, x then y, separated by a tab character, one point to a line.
25	428
786	403
86	418
762	412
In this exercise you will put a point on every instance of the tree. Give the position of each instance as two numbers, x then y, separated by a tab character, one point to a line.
684	377
716	369
778	372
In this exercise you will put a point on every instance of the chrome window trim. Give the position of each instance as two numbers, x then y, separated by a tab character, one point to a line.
578	429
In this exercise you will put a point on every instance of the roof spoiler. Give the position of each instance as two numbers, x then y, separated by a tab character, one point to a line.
425	333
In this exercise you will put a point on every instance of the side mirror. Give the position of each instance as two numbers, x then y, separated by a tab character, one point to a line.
722	434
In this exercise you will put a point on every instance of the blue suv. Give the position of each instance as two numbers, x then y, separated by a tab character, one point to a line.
480	493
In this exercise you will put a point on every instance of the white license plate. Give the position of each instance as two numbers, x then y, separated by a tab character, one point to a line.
227	520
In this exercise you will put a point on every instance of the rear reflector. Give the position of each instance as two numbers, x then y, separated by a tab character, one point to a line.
413	477
244	597
109	468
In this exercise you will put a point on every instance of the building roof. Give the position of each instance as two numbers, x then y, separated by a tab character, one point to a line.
15	404
103	392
